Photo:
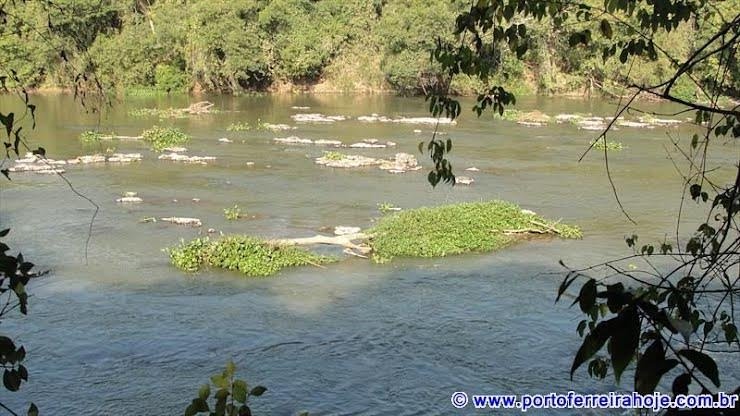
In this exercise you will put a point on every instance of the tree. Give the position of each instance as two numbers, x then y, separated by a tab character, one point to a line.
666	321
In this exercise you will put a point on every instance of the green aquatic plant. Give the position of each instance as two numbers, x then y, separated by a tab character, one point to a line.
248	255
90	137
231	396
455	229
239	126
233	213
163	137
162	113
387	207
610	145
509	114
334	155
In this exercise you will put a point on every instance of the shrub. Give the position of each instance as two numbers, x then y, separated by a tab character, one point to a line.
456	229
163	137
248	255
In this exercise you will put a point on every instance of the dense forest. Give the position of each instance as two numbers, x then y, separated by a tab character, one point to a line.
235	46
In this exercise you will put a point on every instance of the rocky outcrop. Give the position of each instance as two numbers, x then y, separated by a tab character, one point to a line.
36	164
129	197
316	118
193	222
277	127
343	230
375	118
464	180
371	143
347	161
402	162
175	149
176	157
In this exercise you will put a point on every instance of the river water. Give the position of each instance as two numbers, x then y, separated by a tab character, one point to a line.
127	333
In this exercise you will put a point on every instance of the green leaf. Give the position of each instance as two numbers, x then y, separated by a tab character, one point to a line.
258	391
11	380
730	332
704	363
624	340
587	297
220	381
230	369
606	29
592	343
33	410
651	367
239	390
681	384
204	392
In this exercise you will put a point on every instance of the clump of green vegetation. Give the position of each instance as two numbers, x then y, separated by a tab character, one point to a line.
248	255
158	112
245	126
163	137
334	155
386	207
90	137
233	213
239	126
509	114
456	229
599	144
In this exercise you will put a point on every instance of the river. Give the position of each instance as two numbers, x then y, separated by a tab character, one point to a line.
127	333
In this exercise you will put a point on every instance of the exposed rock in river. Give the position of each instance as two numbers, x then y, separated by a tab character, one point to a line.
193	222
175	149
636	124
316	118
375	118
372	143
176	157
402	162
36	164
343	230
367	143
464	180
530	123
277	127
347	161
129	199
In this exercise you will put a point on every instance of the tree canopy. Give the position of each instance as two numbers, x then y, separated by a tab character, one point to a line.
253	45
